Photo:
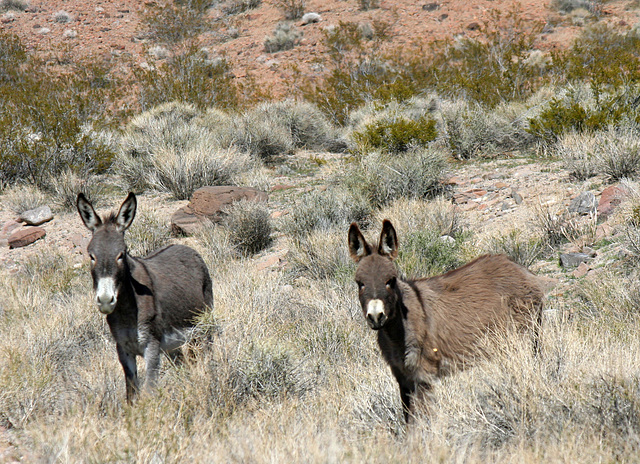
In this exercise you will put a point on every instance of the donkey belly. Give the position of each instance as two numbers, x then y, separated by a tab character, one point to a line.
175	338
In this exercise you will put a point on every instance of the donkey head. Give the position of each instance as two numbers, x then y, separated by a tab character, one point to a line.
376	275
107	249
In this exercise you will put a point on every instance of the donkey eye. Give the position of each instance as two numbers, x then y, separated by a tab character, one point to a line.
391	284
120	257
360	286
92	257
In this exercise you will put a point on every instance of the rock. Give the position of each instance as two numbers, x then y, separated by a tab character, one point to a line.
430	6
26	236
474	26
581	271
448	239
8	227
501	185
589	251
610	198
516	197
573	259
310	18
37	216
585	203
207	204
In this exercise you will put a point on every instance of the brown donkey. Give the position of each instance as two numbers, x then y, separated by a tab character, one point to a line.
150	302
427	326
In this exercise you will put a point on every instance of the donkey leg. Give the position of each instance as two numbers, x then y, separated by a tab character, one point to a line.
152	361
128	362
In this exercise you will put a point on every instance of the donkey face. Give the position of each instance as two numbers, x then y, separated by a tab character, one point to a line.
107	249
376	275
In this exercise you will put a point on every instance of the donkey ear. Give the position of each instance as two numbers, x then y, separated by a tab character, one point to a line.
358	246
388	245
126	213
87	213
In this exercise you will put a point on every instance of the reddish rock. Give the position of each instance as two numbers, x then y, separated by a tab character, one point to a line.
278	187
610	199
8	227
581	270
207	204
26	236
501	185
454	181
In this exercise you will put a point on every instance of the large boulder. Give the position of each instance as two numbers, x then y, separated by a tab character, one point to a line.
25	236
208	204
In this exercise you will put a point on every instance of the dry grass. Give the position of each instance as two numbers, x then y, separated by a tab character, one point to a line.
291	373
284	368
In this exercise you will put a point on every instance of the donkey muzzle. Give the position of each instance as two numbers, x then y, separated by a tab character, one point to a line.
375	314
106	295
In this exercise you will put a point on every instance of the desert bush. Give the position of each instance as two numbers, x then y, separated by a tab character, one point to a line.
249	225
396	135
182	173
65	187
284	37
322	254
438	215
233	7
382	178
521	250
579	152
368	4
614	152
173	22
21	198
308	126
333	208
148	232
473	130
292	9
189	77
568	6
620	152
577	110
49	120
17	5
265	138
557	226
603	55
426	253
62	17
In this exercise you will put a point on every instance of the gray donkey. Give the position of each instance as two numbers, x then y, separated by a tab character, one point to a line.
150	302
428	326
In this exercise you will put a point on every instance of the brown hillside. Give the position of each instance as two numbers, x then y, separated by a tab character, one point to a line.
114	28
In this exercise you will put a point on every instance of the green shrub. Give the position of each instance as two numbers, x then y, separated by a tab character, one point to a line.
605	56
425	253
285	37
396	135
174	22
49	117
249	227
381	178
188	77
568	6
565	114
